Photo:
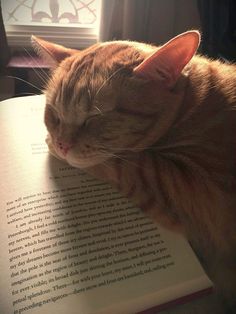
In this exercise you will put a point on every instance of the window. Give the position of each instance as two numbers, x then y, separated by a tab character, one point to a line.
72	23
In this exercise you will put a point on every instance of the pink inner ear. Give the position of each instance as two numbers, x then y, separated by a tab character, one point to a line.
169	60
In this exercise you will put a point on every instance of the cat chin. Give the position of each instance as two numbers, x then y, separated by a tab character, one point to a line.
83	163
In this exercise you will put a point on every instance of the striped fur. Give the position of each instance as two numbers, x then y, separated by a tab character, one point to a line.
172	151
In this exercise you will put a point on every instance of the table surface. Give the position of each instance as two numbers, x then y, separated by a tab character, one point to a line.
209	304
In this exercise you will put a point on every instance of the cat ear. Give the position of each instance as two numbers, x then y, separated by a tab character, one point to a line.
167	62
52	53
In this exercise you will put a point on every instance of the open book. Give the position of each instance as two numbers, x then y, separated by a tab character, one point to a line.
72	244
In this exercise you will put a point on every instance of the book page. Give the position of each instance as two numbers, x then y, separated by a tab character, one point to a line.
73	243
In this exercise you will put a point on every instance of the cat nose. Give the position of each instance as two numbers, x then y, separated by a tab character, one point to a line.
64	147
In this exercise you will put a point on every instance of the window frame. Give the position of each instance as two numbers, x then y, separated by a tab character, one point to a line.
71	36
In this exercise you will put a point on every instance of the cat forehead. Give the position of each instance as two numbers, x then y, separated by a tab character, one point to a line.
142	47
77	107
80	80
101	53
71	118
102	57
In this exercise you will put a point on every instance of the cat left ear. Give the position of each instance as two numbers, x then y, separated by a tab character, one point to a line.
167	62
52	53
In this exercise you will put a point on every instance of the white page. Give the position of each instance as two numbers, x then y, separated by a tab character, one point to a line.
65	251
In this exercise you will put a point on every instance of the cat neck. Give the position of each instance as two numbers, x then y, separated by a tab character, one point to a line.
211	81
163	106
201	104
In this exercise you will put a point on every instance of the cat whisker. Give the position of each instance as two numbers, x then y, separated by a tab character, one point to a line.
121	149
100	112
22	80
177	145
154	147
112	155
43	75
107	80
129	162
91	87
90	95
25	94
106	165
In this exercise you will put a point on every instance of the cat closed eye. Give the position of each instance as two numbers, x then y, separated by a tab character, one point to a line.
51	115
90	119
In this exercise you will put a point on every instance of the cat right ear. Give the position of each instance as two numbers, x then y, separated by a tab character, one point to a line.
168	61
52	53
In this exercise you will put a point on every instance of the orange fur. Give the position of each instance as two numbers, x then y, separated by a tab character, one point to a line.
171	148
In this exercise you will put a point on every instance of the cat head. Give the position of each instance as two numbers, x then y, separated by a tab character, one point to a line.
113	97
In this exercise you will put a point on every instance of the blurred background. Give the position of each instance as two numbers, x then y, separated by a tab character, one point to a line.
79	24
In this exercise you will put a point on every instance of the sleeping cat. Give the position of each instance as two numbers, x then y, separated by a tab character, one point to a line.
160	124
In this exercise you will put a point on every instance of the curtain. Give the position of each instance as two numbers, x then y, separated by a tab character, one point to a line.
152	21
219	28
4	50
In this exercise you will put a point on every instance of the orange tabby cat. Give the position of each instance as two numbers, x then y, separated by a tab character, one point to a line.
159	123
